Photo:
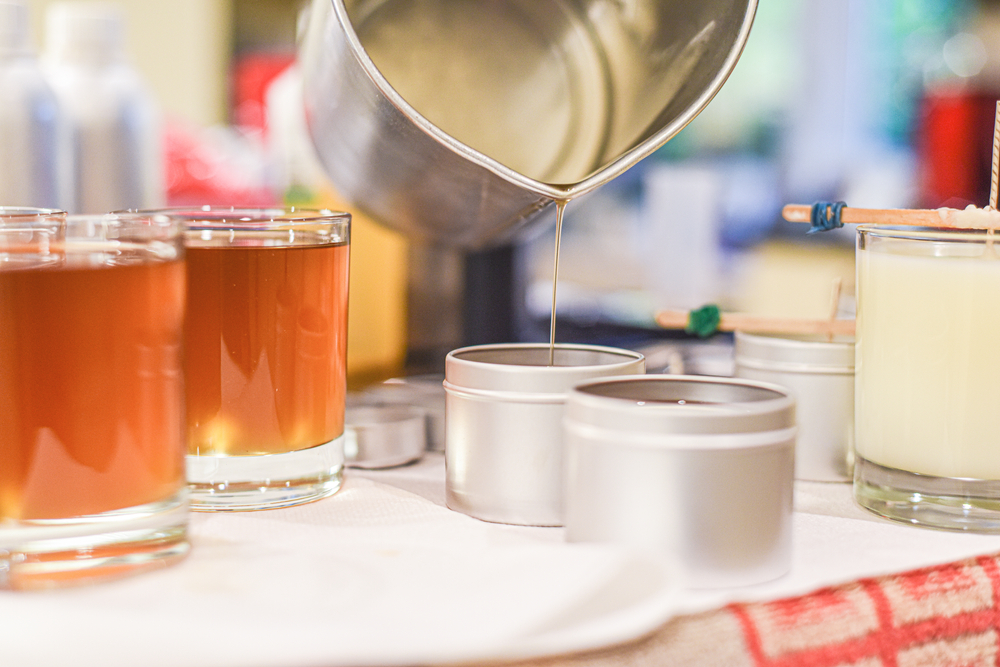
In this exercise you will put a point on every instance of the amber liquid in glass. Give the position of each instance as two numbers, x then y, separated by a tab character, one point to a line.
266	348
91	390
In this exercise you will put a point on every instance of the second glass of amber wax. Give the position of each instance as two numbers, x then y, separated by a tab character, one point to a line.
266	352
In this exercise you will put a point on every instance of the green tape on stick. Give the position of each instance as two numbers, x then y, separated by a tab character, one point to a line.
704	321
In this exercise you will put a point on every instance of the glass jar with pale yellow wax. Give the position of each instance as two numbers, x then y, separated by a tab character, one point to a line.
928	373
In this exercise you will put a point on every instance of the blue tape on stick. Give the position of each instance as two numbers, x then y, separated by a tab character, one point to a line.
826	216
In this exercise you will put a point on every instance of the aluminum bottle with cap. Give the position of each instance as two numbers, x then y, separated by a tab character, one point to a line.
35	149
114	119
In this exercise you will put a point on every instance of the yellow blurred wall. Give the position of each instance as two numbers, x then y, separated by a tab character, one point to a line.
376	326
793	279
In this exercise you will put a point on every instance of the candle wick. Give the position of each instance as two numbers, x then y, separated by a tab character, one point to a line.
834	305
994	180
995	175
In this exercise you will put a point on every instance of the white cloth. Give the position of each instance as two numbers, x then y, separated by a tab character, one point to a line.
383	574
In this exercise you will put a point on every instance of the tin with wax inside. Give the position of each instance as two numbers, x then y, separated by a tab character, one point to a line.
503	425
700	469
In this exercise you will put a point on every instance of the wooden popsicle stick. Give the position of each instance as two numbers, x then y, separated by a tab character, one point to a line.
941	217
678	319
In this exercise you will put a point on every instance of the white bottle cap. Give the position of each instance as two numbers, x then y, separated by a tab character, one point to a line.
91	32
14	28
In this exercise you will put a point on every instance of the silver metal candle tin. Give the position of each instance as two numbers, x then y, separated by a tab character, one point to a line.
819	373
503	425
701	469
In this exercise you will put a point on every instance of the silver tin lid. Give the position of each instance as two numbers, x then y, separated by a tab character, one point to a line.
384	436
680	404
814	353
524	367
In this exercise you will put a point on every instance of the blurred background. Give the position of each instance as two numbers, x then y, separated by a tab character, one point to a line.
880	104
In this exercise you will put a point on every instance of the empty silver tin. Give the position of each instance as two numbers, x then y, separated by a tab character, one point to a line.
701	469
503	425
819	374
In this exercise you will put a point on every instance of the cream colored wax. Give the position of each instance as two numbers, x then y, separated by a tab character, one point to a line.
928	357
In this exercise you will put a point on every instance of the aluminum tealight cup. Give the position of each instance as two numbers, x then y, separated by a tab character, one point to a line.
422	391
698	469
384	436
503	425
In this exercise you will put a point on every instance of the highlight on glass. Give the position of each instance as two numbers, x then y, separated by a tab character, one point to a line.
92	481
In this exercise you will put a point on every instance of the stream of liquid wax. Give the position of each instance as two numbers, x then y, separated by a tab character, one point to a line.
560	210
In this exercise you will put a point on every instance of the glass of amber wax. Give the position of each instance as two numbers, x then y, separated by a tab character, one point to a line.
265	354
91	396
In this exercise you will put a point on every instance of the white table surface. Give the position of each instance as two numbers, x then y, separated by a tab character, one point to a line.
384	574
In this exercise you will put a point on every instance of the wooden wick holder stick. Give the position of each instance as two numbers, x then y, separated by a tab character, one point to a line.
941	217
678	319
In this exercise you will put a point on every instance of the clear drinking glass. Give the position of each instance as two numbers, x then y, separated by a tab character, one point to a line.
928	377
266	354
91	396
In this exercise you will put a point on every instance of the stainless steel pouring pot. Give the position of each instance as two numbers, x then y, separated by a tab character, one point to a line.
461	121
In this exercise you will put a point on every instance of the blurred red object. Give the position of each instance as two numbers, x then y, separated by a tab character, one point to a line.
227	166
215	166
955	147
252	74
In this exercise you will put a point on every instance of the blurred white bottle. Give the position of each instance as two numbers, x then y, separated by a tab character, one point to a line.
35	150
114	118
